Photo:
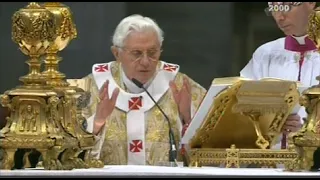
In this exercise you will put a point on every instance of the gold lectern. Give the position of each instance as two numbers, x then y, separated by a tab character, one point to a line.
45	112
239	120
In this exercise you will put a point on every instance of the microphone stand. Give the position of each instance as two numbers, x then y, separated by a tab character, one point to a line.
173	149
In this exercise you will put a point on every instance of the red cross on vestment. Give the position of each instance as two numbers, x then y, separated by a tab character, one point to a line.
136	146
101	68
169	67
135	103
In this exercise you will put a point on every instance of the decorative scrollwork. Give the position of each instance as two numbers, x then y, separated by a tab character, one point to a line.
36	27
67	28
314	27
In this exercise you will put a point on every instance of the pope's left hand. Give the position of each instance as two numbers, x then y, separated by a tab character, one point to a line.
318	128
183	99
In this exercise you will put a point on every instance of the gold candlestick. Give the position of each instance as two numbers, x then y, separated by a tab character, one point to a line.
65	31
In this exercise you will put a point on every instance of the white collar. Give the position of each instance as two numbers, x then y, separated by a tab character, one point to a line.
132	88
301	40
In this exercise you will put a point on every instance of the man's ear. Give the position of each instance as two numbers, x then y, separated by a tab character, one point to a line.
115	52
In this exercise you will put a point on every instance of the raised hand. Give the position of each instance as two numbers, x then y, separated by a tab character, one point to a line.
105	106
182	98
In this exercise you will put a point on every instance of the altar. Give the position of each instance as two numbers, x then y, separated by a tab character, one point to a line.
160	171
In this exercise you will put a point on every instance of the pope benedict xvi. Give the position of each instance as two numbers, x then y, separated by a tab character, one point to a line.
129	127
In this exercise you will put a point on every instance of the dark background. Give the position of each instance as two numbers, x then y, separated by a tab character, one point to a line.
208	39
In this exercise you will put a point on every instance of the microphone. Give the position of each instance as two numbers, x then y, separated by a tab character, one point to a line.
173	149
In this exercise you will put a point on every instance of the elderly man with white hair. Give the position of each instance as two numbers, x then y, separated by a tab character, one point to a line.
128	126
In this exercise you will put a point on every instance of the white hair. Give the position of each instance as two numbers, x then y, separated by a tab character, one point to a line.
135	23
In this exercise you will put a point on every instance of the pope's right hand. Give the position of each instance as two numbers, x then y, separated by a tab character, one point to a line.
105	106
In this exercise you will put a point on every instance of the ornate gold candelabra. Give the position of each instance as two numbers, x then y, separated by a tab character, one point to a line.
65	31
307	140
75	98
44	112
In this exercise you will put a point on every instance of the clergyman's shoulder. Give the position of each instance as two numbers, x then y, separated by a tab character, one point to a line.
112	65
88	77
275	45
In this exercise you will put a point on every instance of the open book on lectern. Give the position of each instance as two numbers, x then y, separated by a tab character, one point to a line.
227	132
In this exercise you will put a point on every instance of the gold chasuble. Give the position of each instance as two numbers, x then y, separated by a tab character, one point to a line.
136	133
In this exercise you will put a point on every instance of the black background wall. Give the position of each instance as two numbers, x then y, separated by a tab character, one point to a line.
200	36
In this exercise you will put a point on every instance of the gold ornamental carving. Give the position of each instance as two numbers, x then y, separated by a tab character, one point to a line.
307	140
314	27
33	29
253	113
45	112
